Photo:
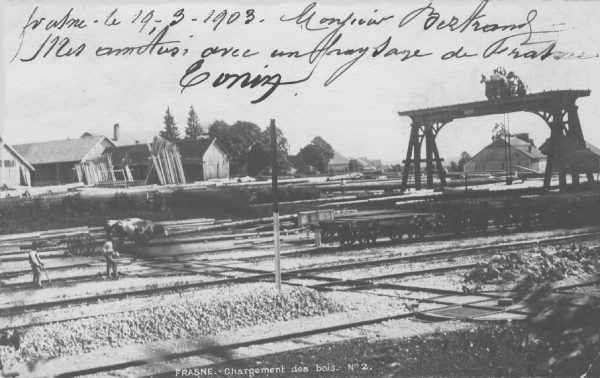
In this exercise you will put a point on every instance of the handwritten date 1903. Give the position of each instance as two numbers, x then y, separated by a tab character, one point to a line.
229	18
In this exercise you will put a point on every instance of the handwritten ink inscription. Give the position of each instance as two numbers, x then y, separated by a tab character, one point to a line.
307	37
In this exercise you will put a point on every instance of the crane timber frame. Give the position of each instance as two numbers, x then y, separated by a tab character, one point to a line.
556	108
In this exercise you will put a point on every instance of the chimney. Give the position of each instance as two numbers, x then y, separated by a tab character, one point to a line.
116	132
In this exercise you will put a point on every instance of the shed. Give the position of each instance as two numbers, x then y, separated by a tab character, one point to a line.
592	154
55	161
135	156
524	156
204	159
14	169
338	163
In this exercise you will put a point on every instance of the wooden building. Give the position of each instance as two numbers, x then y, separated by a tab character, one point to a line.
595	151
14	169
591	155
338	163
55	161
524	156
134	157
204	159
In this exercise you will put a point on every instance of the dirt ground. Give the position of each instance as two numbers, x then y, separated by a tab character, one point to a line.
484	350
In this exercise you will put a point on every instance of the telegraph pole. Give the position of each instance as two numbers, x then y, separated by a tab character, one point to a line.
275	205
509	151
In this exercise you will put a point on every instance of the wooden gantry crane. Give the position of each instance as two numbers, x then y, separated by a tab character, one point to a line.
566	145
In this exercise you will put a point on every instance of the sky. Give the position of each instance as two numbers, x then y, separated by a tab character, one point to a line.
49	98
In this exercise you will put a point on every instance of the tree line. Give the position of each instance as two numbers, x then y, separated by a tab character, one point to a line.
249	146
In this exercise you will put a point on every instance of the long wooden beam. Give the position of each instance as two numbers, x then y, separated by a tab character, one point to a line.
529	103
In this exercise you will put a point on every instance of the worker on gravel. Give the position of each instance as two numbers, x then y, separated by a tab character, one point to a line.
37	265
111	257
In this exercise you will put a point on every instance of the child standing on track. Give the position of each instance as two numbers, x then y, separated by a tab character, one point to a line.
111	260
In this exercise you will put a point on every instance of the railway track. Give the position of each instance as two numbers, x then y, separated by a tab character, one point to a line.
314	251
275	337
328	283
452	253
220	349
257	275
170	360
360	284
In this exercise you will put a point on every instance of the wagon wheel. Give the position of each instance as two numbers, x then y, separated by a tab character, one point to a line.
370	233
342	238
440	223
327	236
345	235
370	236
354	237
459	224
82	244
393	235
363	237
522	221
420	228
479	223
502	221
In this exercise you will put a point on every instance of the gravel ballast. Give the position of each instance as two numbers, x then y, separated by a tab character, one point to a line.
198	313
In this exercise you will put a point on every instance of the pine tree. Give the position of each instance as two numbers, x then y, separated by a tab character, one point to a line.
193	130
171	132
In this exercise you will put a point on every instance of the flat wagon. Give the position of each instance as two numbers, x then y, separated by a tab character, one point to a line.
367	226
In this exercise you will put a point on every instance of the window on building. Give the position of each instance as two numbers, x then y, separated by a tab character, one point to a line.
9	163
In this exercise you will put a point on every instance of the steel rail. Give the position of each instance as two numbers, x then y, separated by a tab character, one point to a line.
258	275
261	275
234	345
461	252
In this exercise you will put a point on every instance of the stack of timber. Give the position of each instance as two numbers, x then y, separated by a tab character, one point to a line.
126	171
95	170
166	162
227	224
24	240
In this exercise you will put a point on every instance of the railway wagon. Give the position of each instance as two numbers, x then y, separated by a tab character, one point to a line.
367	226
456	215
512	212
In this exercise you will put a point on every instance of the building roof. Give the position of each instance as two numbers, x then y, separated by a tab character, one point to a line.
338	159
525	147
59	151
135	154
192	151
18	155
595	150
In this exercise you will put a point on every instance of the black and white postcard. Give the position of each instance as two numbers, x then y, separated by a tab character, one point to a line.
299	188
